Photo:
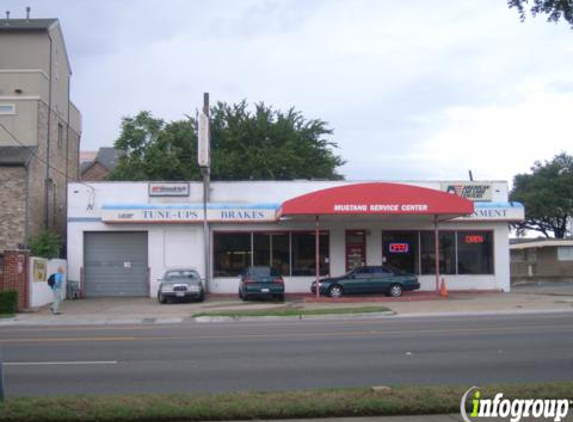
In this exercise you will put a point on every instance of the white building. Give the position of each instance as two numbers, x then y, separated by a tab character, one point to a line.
123	235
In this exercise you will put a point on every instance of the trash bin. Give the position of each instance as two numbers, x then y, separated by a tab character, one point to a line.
73	289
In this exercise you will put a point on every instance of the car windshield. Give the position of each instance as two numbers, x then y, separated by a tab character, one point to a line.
263	272
181	274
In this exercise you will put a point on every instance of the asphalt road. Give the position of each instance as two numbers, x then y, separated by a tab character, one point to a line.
222	357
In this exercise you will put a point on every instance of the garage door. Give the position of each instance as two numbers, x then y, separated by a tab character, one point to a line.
115	264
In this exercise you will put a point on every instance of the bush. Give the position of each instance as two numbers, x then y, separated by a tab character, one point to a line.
46	245
8	302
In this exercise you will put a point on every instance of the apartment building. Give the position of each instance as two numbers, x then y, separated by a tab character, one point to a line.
40	130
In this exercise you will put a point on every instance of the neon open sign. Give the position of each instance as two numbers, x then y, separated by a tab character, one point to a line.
474	238
399	248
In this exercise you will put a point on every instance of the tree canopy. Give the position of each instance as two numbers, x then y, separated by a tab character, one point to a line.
547	194
266	144
555	9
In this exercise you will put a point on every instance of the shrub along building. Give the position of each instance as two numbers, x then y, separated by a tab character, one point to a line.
123	235
39	140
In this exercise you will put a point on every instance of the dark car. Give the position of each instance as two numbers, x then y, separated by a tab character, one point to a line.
261	282
180	284
369	279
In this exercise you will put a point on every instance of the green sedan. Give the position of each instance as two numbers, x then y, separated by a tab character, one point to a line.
261	282
376	279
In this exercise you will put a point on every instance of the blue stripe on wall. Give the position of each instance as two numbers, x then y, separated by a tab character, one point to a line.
84	220
211	206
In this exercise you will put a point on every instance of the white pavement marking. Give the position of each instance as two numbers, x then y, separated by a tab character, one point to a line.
78	362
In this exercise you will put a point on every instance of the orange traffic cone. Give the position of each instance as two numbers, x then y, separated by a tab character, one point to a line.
443	289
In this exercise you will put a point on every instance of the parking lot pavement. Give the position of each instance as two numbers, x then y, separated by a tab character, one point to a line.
522	299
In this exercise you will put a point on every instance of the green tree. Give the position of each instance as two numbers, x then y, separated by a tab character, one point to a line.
266	144
555	9
46	244
547	194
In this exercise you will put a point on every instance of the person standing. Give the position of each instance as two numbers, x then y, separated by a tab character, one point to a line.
57	291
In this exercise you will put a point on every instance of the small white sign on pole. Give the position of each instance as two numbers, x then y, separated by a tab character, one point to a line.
203	147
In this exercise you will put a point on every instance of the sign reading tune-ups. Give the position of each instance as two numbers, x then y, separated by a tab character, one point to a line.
474	191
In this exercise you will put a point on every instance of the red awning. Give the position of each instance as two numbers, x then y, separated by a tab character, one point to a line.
377	199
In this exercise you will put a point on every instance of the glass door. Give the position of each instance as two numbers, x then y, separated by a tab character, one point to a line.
355	249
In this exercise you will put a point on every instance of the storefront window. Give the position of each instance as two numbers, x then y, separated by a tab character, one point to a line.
400	250
232	253
281	253
261	249
447	252
304	254
475	252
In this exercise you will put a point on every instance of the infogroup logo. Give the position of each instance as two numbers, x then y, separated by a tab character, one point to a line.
514	409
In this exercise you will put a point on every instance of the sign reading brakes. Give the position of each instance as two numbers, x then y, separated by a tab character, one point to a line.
474	191
380	208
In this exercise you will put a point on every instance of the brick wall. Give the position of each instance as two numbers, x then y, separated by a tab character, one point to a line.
1	271
12	207
16	275
95	173
64	167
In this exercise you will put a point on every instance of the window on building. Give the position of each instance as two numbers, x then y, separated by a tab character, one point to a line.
475	252
280	257
565	253
60	135
232	253
7	109
400	250
447	252
304	253
262	249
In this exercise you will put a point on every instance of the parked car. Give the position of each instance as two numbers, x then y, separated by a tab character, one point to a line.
368	279
261	282
180	284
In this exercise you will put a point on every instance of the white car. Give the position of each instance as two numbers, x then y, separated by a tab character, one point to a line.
180	284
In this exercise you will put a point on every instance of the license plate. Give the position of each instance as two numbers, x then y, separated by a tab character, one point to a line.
180	294
265	290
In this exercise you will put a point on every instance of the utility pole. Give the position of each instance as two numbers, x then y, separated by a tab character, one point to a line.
204	161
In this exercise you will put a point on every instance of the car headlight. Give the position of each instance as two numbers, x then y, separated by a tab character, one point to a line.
194	288
166	288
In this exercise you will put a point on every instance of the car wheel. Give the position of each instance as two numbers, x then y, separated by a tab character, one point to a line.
243	296
280	298
395	290
160	298
201	297
335	291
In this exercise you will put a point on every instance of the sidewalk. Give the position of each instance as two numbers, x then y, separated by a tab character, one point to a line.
522	299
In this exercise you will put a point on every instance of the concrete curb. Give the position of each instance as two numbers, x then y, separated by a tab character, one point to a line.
58	321
341	317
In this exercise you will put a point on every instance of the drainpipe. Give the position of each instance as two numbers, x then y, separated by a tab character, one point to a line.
46	180
65	219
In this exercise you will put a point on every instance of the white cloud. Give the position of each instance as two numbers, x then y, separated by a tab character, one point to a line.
414	89
501	141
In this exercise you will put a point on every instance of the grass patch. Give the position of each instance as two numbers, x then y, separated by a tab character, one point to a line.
294	312
402	400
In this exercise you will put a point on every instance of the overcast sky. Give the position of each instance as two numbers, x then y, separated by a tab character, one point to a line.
414	89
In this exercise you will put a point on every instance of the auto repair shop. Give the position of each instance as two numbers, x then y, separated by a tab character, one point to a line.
122	236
